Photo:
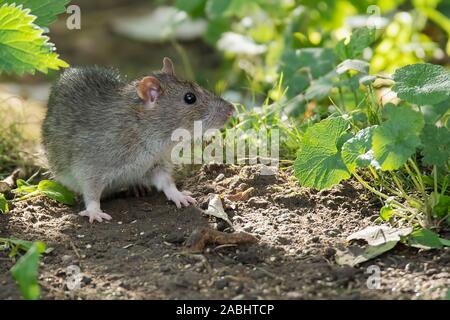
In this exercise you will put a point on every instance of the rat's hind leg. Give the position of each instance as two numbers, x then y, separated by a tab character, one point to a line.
92	192
162	180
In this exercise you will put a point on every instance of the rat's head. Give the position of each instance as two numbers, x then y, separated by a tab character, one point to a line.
163	93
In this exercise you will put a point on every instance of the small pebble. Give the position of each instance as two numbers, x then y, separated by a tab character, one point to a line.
221	283
220	177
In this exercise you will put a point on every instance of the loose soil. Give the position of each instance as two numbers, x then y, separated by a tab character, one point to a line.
140	253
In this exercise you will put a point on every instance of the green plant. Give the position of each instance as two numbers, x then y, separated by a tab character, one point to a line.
25	48
50	189
260	38
25	271
399	152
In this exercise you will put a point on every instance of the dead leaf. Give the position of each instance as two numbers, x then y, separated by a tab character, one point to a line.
201	237
377	235
355	255
215	208
241	196
9	183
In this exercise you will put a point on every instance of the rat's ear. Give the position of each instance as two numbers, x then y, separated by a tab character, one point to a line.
168	66
149	89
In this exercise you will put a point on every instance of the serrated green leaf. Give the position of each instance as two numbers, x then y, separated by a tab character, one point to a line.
25	271
57	192
23	47
4	208
357	152
396	139
422	83
424	239
435	145
46	11
319	163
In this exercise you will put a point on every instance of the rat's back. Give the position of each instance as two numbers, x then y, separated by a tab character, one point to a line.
79	110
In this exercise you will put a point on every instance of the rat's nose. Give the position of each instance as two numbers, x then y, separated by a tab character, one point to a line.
230	110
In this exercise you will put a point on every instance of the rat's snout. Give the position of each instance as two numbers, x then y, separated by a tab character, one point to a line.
229	109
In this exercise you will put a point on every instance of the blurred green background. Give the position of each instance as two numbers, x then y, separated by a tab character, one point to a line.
238	45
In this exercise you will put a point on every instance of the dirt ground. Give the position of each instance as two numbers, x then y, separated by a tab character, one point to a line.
140	253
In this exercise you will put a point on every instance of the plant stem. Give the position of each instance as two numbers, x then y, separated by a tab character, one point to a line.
380	194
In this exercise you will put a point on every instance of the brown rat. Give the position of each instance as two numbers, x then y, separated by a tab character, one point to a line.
102	133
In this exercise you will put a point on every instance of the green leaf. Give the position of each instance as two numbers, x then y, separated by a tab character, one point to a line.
25	271
432	113
445	242
357	152
319	164
422	83
386	213
359	40
299	66
321	87
23	47
396	139
194	8
57	192
425	239
435	145
4	208
216	8
354	65
21	244
442	206
46	11
24	187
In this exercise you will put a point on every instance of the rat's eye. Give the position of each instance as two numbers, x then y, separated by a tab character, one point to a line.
190	98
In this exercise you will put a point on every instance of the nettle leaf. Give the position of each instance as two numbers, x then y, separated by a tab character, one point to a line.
25	271
422	83
435	145
357	152
46	11
57	192
24	48
319	163
396	139
4	208
359	40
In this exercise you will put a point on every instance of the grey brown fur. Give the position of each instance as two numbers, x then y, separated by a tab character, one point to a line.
99	135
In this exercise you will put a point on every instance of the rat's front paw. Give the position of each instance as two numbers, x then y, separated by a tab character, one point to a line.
181	198
95	215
